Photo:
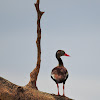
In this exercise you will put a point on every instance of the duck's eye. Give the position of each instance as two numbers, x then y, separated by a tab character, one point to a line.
62	52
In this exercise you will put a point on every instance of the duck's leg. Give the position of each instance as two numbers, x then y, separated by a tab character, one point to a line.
63	90
58	88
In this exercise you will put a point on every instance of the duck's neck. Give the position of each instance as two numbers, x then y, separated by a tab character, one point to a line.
60	61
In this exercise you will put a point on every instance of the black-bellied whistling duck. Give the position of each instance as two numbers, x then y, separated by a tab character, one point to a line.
60	74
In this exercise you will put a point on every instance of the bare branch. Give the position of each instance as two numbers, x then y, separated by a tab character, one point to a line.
34	73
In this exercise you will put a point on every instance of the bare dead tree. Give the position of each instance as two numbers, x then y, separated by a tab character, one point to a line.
10	91
34	73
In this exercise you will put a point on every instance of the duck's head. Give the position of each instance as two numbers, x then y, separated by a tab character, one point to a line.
60	53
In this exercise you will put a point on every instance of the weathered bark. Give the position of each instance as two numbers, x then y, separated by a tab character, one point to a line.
34	73
10	91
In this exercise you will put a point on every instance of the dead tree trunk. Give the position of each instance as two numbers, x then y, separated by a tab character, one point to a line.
35	72
10	91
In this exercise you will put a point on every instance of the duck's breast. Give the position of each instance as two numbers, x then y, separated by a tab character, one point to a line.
59	74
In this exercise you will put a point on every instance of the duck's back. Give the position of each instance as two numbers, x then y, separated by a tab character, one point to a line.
59	74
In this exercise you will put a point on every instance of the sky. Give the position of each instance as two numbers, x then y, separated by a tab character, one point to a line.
69	25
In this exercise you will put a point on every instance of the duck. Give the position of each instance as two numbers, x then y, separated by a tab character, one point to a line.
60	74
